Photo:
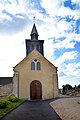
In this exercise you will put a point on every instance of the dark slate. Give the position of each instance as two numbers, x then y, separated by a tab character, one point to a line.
34	30
30	42
5	80
34	43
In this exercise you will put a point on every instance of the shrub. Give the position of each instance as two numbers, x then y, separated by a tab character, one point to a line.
12	99
3	104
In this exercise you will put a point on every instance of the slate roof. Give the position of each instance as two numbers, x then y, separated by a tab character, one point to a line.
5	80
34	30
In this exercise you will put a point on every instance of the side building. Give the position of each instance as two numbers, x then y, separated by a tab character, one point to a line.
6	86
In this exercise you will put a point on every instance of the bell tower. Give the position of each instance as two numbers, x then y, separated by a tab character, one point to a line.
34	43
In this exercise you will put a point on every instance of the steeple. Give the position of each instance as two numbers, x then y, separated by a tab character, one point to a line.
34	43
34	34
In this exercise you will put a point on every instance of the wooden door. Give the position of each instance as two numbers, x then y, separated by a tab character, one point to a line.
35	90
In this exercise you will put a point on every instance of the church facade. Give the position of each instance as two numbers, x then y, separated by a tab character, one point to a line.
35	77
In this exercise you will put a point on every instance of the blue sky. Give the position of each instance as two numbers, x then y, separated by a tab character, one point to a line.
57	22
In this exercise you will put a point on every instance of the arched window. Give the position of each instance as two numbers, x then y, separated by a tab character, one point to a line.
32	66
35	65
38	66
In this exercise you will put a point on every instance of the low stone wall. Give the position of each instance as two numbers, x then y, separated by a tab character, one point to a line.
73	92
6	90
77	93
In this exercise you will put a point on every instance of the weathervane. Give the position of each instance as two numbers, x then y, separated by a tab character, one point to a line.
34	19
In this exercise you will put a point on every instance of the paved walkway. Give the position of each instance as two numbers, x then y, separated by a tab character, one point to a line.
68	108
33	110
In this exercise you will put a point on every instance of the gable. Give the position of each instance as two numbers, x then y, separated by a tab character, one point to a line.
35	55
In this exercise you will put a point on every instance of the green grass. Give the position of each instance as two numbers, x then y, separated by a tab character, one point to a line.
10	106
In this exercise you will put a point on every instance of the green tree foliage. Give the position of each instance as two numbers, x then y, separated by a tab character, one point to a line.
66	87
79	86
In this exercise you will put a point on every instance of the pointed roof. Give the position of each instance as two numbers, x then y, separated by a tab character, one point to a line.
34	30
37	54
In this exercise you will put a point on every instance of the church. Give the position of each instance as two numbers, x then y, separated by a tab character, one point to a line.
35	77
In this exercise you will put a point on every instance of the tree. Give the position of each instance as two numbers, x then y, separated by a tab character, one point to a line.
69	87
79	86
66	88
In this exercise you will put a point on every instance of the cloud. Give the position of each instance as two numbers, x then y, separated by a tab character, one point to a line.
77	3
51	6
24	12
14	6
13	17
62	74
69	42
48	50
70	70
58	8
13	50
12	26
56	24
67	56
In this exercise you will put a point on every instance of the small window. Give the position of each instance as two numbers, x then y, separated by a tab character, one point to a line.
38	66
35	65
32	66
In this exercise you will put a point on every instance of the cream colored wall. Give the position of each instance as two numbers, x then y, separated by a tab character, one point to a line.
55	85
45	76
15	84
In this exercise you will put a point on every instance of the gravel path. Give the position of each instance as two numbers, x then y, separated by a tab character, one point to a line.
67	108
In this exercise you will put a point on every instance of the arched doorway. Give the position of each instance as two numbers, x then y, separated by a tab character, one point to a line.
35	90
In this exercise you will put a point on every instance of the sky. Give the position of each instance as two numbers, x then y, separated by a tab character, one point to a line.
57	22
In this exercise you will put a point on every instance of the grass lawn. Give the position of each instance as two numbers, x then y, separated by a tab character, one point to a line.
8	104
